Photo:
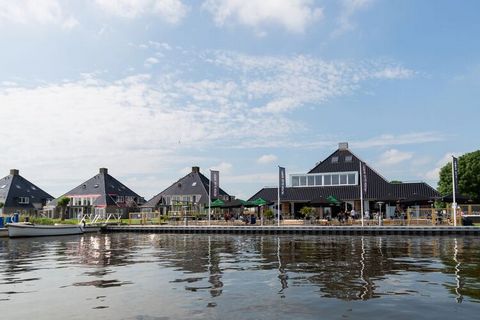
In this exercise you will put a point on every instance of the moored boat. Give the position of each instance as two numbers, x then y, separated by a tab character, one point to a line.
35	230
3	232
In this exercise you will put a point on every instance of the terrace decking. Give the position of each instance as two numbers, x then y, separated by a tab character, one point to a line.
312	230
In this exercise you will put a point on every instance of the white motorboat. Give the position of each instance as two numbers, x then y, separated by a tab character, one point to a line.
36	230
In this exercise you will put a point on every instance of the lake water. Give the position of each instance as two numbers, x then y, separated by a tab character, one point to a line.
161	276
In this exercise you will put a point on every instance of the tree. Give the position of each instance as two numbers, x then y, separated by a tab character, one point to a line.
307	212
63	203
268	214
468	176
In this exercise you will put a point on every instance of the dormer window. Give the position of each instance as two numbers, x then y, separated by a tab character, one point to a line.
334	159
348	158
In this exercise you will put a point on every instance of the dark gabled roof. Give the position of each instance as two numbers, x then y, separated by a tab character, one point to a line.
193	183
104	185
378	188
14	186
392	192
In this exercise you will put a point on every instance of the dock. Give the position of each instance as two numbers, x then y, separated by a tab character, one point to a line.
300	230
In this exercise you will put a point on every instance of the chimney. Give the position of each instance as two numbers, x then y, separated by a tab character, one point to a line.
343	146
195	169
14	172
103	170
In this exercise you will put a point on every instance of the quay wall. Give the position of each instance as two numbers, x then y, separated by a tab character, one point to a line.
314	230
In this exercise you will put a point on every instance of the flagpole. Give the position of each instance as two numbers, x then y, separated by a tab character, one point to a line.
454	204
361	192
278	199
209	197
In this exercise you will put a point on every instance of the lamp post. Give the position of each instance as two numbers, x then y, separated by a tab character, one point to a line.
380	216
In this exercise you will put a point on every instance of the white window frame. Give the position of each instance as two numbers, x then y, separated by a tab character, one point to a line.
23	200
321	178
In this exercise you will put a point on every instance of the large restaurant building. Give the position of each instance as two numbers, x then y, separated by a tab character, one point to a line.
333	186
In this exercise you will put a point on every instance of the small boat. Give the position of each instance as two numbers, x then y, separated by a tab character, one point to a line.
35	230
3	232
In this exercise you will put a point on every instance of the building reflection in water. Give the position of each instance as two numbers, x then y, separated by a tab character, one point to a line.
341	267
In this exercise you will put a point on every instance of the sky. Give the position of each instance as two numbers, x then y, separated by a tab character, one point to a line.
150	88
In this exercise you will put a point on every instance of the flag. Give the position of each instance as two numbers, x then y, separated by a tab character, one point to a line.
455	175
215	183
282	184
364	178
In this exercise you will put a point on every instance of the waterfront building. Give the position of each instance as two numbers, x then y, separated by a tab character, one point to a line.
100	195
20	195
190	193
333	186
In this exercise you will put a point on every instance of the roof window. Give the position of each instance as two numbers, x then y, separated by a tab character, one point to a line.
334	159
348	158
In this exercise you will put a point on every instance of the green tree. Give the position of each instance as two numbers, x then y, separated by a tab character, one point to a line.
307	212
268	214
468	176
63	203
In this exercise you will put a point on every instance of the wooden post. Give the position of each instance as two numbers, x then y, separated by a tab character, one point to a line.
434	217
408	216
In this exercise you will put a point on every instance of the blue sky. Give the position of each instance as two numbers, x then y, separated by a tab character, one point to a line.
149	88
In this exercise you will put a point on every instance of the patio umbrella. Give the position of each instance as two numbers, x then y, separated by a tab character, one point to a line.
217	203
331	199
237	203
260	202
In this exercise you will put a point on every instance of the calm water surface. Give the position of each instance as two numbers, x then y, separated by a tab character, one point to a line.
158	276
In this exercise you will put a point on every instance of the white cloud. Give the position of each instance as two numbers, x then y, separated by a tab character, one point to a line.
401	139
267	159
348	9
150	61
172	11
293	82
42	12
223	167
434	174
293	15
395	72
393	157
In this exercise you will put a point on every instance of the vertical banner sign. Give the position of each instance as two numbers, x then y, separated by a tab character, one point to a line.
282	181
455	176
214	180
364	178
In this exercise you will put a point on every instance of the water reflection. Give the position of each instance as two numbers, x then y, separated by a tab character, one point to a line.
212	271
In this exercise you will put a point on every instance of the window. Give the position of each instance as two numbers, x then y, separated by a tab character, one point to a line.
186	199
348	158
311	180
303	180
334	159
324	179
335	179
95	186
194	184
23	200
351	178
295	181
327	180
120	199
3	186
